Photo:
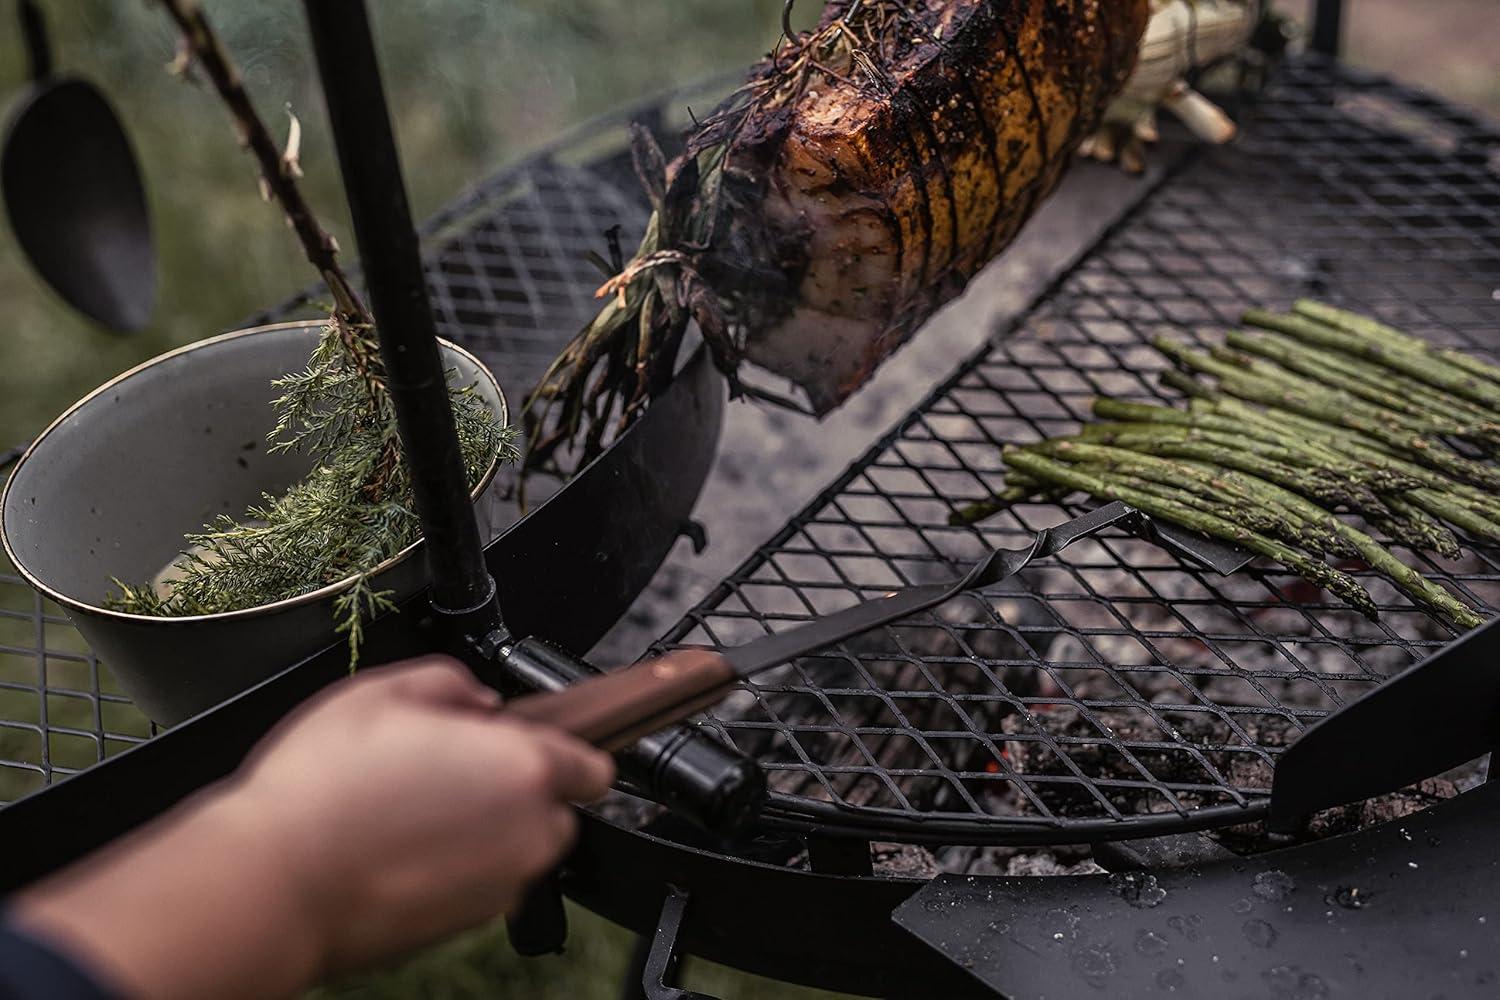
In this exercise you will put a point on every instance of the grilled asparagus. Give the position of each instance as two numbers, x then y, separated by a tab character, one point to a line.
1331	411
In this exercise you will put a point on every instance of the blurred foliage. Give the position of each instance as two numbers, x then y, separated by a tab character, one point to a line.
472	85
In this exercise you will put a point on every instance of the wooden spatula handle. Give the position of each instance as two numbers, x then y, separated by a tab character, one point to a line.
615	709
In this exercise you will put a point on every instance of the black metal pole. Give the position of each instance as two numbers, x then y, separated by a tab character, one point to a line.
1327	27
388	247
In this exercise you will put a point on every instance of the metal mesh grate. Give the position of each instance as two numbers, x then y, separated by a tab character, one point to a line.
1113	691
510	280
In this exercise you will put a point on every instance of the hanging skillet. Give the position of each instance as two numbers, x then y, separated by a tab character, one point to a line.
73	192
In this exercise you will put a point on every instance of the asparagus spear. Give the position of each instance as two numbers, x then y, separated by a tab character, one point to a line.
1239	492
1235	382
988	507
1310	569
1353	370
1421	417
1368	451
1338	395
1341	319
1018	489
1408	580
1117	410
1474	521
1435	371
1417	526
1273	445
1321	484
1184	383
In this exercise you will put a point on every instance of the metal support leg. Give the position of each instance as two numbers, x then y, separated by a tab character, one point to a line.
839	856
663	960
540	924
1327	27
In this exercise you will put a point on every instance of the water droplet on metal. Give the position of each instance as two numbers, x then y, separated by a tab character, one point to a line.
1273	885
1260	933
1170	980
1187	926
1094	964
1288	982
1150	943
1138	889
1349	897
1412	864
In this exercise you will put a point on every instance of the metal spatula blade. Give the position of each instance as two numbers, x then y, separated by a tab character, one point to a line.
1441	713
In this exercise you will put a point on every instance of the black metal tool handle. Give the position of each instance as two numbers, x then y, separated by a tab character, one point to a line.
34	33
613	710
712	785
709	783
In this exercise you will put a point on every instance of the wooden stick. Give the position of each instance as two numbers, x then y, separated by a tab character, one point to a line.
277	176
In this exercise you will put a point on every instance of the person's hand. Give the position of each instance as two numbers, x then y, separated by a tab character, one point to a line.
405	811
389	811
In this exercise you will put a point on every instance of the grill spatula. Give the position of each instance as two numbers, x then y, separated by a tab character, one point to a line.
618	708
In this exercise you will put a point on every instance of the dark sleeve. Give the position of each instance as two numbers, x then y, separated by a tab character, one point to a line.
31	969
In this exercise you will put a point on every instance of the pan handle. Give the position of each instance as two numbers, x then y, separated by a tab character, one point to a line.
34	31
613	710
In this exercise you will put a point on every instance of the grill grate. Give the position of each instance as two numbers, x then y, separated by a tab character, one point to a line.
1110	689
1113	691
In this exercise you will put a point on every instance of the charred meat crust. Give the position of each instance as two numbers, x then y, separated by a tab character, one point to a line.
926	164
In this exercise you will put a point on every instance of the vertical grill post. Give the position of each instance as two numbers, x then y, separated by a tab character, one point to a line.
1327	27
347	64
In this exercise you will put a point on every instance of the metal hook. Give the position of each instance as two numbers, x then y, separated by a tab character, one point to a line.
34	30
786	33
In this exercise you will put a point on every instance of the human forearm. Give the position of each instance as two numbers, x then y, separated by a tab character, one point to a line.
392	810
197	904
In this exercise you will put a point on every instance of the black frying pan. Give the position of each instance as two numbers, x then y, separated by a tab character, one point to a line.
73	192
